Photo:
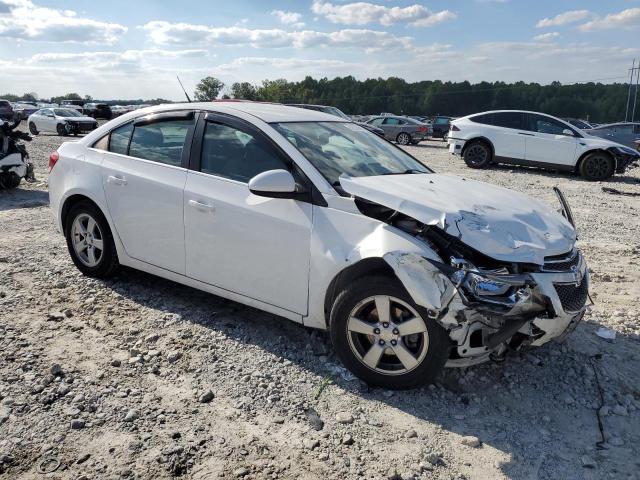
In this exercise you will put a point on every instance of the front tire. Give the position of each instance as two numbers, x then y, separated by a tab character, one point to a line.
597	166
61	130
403	138
384	338
33	129
90	241
477	155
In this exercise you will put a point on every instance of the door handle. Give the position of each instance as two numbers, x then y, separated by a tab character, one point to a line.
527	134
117	179
201	205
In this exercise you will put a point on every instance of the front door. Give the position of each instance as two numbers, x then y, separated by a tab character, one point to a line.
548	143
251	245
143	178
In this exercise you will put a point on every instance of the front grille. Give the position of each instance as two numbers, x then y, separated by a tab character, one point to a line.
562	263
572	297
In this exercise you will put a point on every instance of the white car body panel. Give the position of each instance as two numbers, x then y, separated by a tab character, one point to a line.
553	149
504	224
284	255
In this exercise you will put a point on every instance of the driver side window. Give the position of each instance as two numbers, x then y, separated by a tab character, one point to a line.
235	154
542	124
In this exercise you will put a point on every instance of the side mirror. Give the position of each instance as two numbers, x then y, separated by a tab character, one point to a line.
274	184
568	133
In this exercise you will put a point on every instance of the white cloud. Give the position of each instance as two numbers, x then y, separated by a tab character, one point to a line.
23	20
629	18
546	37
285	63
166	33
362	13
571	16
289	18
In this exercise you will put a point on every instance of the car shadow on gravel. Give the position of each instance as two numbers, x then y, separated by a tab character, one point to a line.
616	178
533	407
23	198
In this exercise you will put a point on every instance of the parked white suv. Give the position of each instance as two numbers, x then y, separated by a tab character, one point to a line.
535	139
307	216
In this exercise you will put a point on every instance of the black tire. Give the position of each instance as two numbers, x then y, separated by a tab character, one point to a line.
108	263
9	180
33	129
61	130
597	166
477	154
403	138
430	363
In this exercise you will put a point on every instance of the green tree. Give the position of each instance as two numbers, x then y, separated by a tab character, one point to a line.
208	89
244	91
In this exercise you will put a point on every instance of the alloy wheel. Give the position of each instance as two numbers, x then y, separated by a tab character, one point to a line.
476	154
597	166
87	240
404	139
387	335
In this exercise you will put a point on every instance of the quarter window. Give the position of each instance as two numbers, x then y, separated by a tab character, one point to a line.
161	141
235	154
119	142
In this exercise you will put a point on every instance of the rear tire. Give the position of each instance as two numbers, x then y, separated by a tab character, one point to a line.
403	138
371	356
33	129
9	181
597	166
90	241
61	130
477	155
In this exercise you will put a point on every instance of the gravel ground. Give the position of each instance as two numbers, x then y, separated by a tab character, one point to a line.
139	377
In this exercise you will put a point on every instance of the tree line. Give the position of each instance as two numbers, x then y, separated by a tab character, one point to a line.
597	102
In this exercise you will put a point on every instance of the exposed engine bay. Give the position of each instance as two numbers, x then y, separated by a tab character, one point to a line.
14	159
487	306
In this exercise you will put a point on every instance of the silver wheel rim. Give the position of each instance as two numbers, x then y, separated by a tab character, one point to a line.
403	139
387	335
87	240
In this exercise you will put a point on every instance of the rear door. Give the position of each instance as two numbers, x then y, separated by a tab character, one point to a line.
506	132
548	143
144	173
255	246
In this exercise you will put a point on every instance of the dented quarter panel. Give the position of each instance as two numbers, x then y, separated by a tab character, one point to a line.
503	224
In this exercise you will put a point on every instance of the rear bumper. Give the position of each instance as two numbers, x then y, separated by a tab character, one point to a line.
455	146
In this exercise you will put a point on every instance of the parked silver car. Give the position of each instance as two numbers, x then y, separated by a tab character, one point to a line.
403	130
624	133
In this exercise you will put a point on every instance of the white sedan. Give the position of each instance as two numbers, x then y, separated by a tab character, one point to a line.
313	218
63	121
537	140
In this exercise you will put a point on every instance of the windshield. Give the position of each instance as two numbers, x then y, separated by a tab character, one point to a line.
66	112
337	148
337	112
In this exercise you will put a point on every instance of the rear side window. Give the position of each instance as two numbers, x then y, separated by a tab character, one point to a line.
485	118
441	121
161	142
119	142
391	121
236	154
508	120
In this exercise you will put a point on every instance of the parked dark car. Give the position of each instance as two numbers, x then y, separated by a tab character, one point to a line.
403	130
625	133
338	113
98	110
440	126
23	109
6	110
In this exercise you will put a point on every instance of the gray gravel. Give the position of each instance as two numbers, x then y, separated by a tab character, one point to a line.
138	377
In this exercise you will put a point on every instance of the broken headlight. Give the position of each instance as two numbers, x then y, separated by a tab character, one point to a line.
479	285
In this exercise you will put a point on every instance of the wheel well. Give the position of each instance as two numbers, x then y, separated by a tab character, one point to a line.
484	140
589	152
70	202
368	266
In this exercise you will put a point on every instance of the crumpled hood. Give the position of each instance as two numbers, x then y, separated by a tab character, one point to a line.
501	223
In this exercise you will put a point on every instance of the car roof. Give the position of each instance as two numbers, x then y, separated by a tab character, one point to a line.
267	112
609	125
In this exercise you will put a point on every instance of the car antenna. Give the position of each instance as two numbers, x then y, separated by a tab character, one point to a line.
185	92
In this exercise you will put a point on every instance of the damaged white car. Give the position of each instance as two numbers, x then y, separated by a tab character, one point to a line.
307	216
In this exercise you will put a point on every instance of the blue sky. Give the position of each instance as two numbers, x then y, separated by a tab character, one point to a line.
134	48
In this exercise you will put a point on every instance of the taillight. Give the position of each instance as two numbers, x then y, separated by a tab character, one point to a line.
53	159
422	129
453	128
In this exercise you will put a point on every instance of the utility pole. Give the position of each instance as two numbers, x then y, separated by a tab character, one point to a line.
632	71
635	93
